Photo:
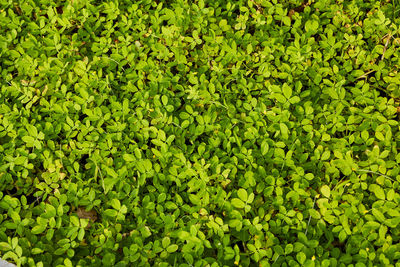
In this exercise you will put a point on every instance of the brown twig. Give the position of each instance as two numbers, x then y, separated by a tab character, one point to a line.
386	45
365	74
257	5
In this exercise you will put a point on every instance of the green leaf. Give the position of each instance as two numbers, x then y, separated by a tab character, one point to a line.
378	215
172	248
301	257
288	249
342	236
343	166
315	214
170	205
109	184
164	100
110	213
393	222
116	204
111	172
237	203
390	194
326	191
49	212
38	229
311	26
29	140
128	157
161	197
157	142
242	194
284	130
278	250
183	235
74	220
36	251
286	21
264	147
365	135
379	136
83	92
15	216
379	192
166	241
279	97
20	160
287	91
295	99
4	246
326	155
185	124
80	68
371	225
195	199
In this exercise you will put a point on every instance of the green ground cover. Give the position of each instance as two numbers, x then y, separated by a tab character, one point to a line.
199	133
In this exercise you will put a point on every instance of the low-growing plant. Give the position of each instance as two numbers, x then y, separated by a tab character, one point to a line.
199	133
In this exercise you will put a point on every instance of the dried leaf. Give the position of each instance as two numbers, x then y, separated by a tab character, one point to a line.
83	214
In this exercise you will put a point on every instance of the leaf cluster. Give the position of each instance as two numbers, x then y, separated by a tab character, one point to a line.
199	133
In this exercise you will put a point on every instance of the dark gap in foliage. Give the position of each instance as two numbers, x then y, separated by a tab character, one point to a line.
60	10
13	191
84	160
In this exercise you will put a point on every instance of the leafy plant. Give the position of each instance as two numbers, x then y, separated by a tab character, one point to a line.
199	133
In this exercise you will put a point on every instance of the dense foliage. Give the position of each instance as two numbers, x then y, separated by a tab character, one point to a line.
199	133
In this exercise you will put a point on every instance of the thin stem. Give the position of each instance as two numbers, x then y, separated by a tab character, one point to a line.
377	173
101	176
365	74
277	258
114	61
309	218
217	103
177	125
386	45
